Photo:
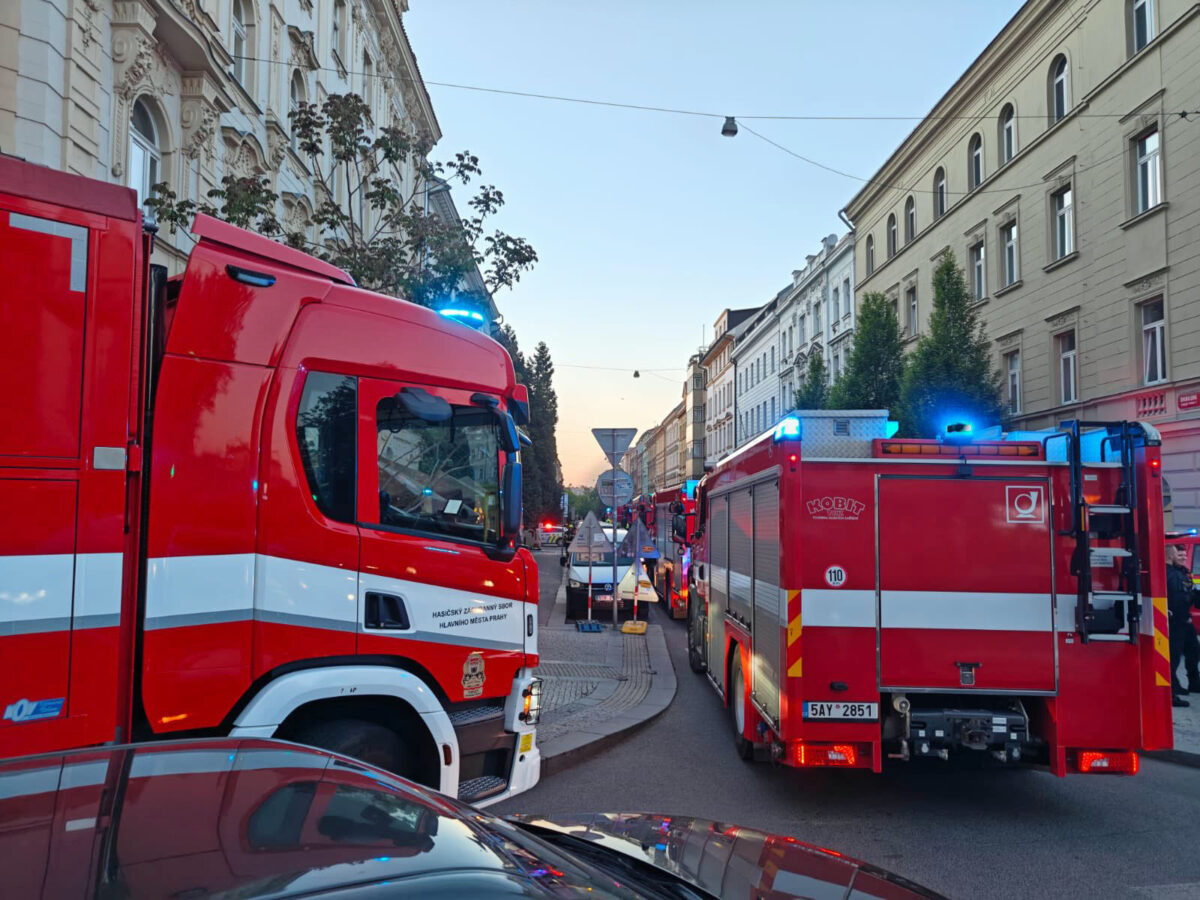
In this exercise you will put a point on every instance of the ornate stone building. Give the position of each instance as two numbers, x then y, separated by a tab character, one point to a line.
188	91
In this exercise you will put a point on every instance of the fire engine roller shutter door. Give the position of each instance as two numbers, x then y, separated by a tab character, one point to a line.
768	600
965	582
741	560
718	586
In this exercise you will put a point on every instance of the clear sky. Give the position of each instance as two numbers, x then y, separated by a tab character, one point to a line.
649	224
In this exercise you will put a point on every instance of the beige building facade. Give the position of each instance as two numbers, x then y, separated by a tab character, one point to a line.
189	91
1059	172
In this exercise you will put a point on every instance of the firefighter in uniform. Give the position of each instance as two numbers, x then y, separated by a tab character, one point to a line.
1182	633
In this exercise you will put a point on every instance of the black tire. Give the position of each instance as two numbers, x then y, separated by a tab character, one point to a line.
694	637
735	691
367	741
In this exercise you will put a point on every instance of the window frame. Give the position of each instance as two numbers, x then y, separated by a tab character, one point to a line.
1062	231
975	161
1060	74
1147	7
1141	198
238	36
1157	328
1012	380
870	255
1068	361
910	220
150	146
911	309
1010	264
892	235
1008	133
978	269
939	193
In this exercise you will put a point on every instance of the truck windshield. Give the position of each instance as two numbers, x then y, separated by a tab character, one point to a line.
442	478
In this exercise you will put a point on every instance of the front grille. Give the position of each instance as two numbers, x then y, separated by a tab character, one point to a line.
481	787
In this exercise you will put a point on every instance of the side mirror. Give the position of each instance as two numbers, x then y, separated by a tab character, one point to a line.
511	509
679	528
562	561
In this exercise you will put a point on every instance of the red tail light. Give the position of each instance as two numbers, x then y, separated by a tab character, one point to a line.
824	755
1099	762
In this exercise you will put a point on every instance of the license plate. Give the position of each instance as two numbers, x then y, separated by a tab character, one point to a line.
602	598
840	711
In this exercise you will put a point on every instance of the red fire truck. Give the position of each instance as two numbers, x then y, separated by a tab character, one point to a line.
252	500
674	522
864	595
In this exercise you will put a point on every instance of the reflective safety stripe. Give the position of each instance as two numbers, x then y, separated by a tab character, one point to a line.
45	592
959	610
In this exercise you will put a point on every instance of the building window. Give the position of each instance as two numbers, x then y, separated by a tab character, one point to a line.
803	330
297	97
240	27
1141	23
1148	170
1060	89
1008	133
1064	225
939	193
1066	367
339	27
145	155
835	307
368	82
870	260
910	219
772	360
1154	352
910	302
1008	240
975	161
836	367
978	271
891	236
847	295
816	318
1012	365
772	409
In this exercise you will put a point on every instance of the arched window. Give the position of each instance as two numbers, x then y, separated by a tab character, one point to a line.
910	219
145	151
1060	89
939	193
242	30
975	161
368	79
1008	133
870	267
297	97
891	236
1141	24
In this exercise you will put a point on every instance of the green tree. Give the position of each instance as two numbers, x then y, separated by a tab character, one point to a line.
583	501
370	223
875	366
813	392
950	374
543	422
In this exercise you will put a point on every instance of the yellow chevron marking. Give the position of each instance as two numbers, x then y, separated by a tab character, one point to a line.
794	630
794	669
1160	681
1162	645
1160	603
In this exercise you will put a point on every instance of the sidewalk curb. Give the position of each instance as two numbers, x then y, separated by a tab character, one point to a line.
655	703
1178	757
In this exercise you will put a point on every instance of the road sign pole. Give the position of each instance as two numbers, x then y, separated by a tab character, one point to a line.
616	595
589	586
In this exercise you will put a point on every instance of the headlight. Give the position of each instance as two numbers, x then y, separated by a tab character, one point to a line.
572	583
531	699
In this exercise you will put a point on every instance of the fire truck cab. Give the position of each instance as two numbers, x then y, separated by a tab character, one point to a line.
253	500
674	523
864	596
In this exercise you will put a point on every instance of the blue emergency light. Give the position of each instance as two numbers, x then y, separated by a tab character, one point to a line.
788	428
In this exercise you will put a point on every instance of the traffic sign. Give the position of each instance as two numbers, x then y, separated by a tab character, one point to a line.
614	442
637	543
614	487
590	539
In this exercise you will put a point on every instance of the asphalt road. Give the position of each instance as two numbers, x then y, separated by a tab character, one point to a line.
972	834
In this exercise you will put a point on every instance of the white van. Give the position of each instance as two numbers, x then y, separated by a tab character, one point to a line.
602	582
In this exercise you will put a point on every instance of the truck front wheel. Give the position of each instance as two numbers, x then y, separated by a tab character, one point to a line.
367	741
737	708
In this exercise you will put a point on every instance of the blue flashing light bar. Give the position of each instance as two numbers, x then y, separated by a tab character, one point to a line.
892	428
787	429
689	488
462	314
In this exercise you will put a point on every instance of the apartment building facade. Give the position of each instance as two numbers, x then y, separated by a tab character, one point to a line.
719	404
188	91
1060	174
756	366
817	315
694	401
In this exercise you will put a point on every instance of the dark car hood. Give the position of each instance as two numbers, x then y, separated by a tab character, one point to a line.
728	860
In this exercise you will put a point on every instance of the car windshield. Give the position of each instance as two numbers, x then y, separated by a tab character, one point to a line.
439	477
599	559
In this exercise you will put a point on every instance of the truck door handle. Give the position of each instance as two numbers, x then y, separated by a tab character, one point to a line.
385	611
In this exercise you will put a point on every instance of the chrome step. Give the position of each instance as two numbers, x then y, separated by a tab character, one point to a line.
473	714
1106	510
1109	598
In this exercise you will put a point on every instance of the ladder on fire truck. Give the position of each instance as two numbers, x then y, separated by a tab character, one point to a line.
1105	611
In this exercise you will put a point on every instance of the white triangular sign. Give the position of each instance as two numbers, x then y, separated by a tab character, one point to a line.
614	441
